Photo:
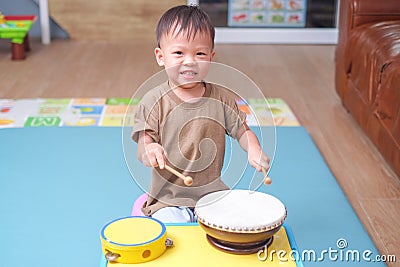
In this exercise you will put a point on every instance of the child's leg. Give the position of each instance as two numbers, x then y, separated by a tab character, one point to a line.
174	215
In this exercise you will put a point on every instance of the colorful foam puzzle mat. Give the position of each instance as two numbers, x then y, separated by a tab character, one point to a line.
116	112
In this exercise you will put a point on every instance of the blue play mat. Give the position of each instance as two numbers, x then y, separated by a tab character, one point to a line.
59	186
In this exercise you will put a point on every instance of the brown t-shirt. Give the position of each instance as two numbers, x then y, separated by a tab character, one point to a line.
193	136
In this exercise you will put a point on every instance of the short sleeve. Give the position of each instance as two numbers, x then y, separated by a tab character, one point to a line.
235	121
145	119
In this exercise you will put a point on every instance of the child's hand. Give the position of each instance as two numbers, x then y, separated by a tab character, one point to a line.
258	159
154	156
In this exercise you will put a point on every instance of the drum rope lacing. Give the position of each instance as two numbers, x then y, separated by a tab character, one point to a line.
238	211
239	229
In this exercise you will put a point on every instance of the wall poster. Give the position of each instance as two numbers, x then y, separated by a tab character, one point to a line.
266	13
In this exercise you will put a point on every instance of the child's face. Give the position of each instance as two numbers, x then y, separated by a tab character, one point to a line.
185	60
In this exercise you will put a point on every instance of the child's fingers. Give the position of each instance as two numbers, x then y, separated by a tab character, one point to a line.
265	164
261	164
256	165
154	156
152	160
264	160
160	159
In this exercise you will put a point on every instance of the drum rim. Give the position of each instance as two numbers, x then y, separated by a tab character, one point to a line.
244	230
163	232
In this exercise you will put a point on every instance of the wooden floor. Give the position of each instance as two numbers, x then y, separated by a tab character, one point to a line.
301	75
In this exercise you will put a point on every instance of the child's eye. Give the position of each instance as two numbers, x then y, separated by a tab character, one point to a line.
178	53
201	54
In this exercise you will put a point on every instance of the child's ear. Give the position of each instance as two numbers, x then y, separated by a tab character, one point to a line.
212	55
159	56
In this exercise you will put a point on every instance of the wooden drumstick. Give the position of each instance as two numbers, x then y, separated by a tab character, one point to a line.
187	180
267	180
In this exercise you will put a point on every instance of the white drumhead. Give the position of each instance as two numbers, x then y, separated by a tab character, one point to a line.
240	211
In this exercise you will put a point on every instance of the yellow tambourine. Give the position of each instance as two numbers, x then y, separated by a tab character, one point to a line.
134	239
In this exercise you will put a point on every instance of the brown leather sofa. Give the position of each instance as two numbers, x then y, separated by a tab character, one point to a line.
368	70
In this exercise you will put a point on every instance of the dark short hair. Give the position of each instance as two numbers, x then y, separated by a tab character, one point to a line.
190	18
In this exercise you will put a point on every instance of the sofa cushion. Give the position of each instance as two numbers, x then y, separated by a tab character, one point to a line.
370	49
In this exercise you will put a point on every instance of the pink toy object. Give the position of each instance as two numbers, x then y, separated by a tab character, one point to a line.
138	204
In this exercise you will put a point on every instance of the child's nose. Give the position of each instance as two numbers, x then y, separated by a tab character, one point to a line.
189	61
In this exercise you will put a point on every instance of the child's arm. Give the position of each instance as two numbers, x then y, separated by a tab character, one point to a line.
151	154
257	158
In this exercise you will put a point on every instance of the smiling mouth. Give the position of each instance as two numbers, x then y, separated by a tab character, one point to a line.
188	73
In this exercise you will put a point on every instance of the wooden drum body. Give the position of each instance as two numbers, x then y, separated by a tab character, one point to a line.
240	221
